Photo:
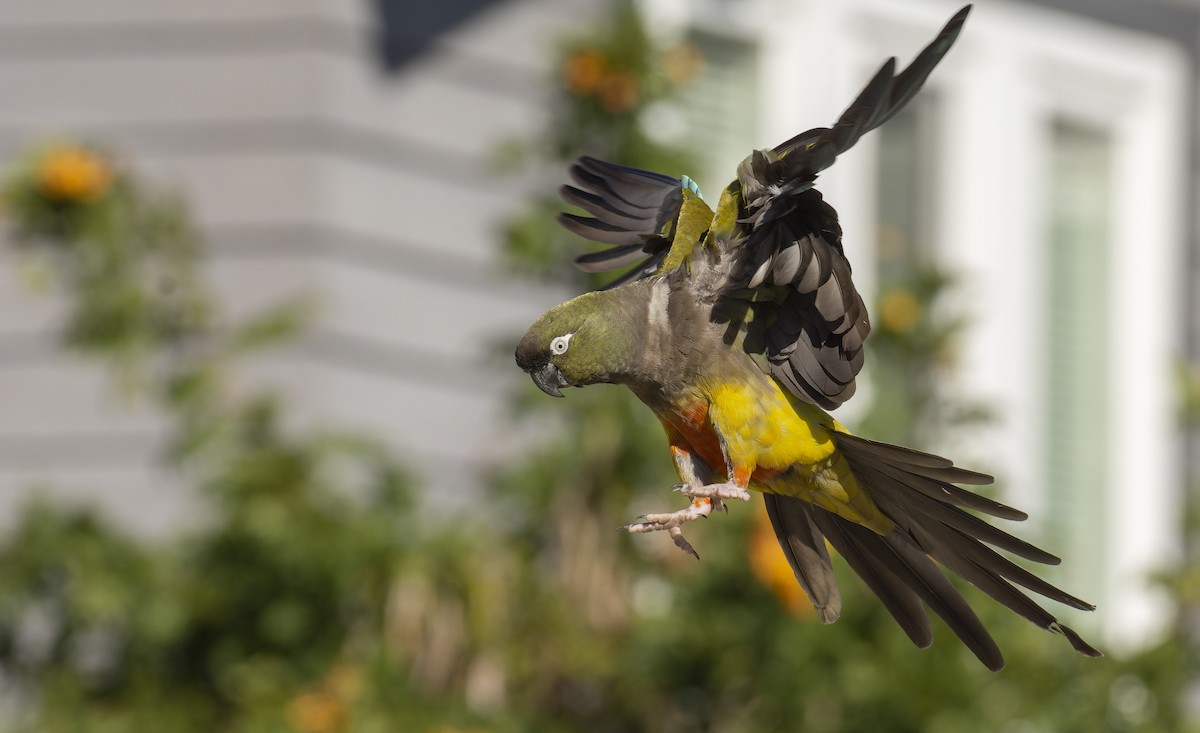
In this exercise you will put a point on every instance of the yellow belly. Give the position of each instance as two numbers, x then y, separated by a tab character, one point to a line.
787	445
765	426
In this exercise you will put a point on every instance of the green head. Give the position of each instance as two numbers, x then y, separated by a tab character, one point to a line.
587	340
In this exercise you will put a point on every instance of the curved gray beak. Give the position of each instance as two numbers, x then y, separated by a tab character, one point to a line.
549	379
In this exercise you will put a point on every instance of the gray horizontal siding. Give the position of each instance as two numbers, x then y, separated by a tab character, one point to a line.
175	144
139	497
188	107
388	296
21	14
394	254
63	395
310	170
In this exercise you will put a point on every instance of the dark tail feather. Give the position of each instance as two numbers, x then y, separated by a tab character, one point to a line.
945	491
894	499
864	558
804	548
915	494
899	556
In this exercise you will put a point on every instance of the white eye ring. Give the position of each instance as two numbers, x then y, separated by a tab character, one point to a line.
560	343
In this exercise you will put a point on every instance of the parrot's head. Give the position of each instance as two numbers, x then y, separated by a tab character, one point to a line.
587	340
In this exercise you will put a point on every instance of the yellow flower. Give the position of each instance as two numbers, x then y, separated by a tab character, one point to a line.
583	71
772	570
72	174
899	310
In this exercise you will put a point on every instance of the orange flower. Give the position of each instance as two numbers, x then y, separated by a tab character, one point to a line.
899	310
772	570
72	174
682	63
619	91
583	71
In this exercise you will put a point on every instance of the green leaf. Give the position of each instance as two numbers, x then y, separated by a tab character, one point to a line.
276	325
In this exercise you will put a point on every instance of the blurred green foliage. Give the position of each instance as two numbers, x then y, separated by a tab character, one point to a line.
312	597
233	624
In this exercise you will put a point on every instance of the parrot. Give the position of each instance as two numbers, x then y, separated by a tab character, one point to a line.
740	328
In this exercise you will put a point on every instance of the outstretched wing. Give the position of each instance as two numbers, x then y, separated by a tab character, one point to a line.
640	213
809	320
781	276
796	300
768	177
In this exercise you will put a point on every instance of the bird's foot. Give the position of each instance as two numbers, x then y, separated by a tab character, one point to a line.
670	522
727	490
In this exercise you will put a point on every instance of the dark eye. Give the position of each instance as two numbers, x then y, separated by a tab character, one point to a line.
559	344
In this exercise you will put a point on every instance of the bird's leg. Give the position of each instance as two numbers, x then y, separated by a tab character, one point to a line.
671	522
693	471
734	488
727	490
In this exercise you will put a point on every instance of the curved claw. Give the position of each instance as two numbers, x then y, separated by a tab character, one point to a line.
677	536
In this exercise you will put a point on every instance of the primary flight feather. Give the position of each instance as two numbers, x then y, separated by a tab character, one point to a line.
738	328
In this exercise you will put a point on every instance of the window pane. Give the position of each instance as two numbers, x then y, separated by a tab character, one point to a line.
906	190
1076	421
722	108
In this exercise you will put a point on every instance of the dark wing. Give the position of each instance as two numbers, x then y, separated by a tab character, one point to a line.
782	250
635	211
768	177
810	320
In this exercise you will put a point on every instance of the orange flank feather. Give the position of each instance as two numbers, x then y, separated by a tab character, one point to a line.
691	431
695	413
